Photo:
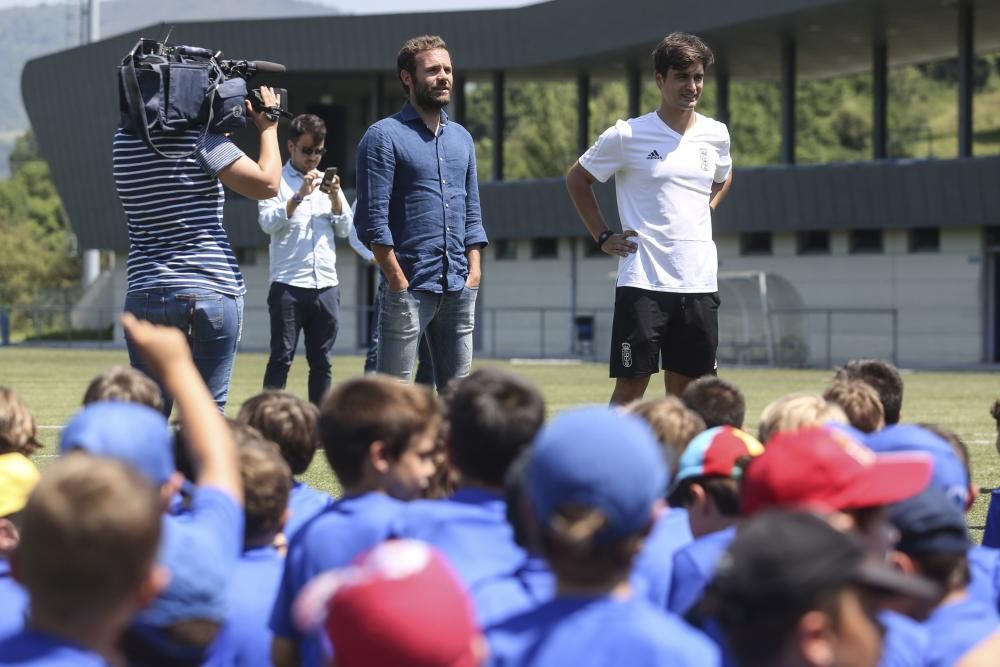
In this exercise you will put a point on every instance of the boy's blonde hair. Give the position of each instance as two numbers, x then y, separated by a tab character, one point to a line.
18	430
124	383
673	423
797	411
860	402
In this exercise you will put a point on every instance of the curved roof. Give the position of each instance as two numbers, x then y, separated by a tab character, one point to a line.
72	99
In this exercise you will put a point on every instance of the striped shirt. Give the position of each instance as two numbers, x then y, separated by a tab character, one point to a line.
174	212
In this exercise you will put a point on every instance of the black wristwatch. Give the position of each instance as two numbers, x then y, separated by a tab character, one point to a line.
604	236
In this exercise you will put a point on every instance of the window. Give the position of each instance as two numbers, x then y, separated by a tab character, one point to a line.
504	249
755	243
864	241
546	248
813	242
924	239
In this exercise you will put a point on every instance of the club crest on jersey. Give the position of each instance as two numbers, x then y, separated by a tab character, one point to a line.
703	154
655	155
626	355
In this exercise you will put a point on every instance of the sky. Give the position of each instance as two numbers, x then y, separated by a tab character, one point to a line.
358	6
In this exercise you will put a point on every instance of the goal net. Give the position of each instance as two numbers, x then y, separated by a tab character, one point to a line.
758	321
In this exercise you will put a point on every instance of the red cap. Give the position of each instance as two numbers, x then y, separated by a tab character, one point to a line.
826	469
401	604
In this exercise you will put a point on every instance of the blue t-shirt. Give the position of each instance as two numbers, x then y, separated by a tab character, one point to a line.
991	535
905	641
953	629
984	572
694	567
596	632
332	539
36	649
13	602
250	598
304	502
472	532
651	572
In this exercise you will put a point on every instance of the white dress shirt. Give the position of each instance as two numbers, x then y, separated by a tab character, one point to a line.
302	250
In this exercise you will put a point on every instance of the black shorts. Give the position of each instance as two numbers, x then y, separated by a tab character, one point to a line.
683	329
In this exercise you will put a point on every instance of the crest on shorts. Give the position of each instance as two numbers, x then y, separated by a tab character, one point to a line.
703	154
626	355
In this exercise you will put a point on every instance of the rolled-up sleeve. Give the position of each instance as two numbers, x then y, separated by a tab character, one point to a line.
376	168
272	214
475	233
344	222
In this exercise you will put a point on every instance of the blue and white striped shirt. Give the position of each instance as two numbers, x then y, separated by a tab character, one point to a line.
174	211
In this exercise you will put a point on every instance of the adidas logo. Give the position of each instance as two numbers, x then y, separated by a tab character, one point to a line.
654	156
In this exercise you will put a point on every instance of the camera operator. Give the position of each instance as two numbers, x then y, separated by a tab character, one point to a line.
181	267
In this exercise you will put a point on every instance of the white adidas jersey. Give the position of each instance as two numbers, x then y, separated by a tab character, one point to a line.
664	184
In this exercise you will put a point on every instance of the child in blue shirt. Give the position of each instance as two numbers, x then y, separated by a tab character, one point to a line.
674	426
493	415
378	436
289	421
18	476
87	558
595	479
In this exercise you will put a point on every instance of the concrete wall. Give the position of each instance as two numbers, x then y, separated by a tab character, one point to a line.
525	303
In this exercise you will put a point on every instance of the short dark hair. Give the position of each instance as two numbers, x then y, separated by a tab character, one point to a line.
124	383
680	50
267	481
570	546
494	415
406	61
950	570
883	377
307	123
724	492
287	420
365	410
719	402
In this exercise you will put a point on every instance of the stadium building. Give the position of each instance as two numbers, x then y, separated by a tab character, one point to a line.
899	259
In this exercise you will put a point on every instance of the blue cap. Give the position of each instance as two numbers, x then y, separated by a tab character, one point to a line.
949	473
602	459
132	433
929	522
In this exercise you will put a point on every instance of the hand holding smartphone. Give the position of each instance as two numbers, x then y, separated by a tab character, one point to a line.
328	176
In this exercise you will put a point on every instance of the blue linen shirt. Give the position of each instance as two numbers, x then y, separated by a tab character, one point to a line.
419	193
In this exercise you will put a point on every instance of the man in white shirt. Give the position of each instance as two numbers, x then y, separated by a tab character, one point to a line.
302	221
672	168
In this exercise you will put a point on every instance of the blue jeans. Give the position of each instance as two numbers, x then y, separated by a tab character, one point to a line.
445	320
314	312
212	321
425	367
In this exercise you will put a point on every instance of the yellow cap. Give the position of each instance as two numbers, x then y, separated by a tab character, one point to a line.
18	476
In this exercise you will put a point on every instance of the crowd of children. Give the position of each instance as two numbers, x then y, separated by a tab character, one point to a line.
469	531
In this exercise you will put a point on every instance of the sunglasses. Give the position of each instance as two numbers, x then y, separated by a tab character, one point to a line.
312	151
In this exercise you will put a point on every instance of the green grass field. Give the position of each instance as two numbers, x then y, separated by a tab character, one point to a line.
52	382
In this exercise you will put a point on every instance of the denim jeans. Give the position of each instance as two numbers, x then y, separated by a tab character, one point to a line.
314	312
212	321
425	367
446	322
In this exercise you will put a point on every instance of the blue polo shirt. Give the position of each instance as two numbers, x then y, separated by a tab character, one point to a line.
905	641
991	535
984	573
470	528
419	193
13	602
28	648
953	629
304	502
596	632
332	539
694	568
651	572
246	637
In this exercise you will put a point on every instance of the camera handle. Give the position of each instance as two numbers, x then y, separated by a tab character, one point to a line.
130	83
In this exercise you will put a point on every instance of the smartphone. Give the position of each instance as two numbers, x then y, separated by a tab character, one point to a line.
328	176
